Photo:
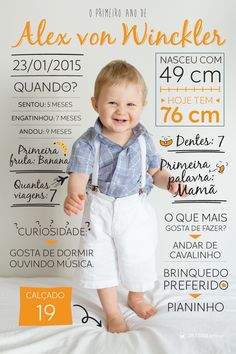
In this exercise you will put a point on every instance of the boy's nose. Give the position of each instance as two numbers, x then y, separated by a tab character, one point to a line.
120	109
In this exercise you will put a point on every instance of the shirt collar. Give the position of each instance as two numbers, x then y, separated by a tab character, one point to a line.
138	130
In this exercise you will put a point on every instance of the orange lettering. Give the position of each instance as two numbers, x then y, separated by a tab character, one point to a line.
51	38
126	34
208	38
82	39
182	38
196	36
217	36
107	37
173	38
95	39
185	34
26	34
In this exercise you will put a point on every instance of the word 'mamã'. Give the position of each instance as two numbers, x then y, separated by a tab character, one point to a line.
138	34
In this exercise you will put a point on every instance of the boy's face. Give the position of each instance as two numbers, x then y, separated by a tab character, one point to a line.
119	107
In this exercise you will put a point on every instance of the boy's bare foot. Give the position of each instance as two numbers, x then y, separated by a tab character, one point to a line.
116	323
138	304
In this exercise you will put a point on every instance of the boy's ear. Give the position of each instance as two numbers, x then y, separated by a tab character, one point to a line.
94	103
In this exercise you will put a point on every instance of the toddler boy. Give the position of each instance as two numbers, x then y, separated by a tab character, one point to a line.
116	164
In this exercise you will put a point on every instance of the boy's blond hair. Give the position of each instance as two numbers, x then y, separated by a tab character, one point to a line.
118	71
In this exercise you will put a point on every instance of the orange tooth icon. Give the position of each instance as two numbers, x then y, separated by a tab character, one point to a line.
166	142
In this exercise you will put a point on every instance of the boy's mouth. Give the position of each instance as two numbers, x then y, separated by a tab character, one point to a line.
120	120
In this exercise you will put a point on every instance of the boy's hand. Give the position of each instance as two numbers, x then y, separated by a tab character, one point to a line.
178	189
74	203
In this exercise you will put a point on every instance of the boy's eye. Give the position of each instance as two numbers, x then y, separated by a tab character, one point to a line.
130	104
112	102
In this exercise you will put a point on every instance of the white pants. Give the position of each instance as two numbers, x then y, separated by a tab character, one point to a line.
123	235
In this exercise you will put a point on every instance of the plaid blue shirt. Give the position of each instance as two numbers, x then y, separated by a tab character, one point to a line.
119	166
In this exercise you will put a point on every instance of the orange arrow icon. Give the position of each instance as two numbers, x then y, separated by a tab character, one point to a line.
51	242
195	235
195	295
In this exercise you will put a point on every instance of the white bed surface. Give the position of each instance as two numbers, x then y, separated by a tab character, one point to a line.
164	333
